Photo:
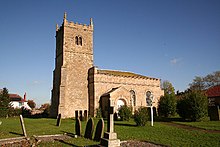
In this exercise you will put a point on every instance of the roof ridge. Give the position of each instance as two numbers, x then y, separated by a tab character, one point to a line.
122	73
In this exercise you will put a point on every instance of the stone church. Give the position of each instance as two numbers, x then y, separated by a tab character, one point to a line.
80	88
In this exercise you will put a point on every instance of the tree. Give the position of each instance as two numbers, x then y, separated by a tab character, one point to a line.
198	84
31	103
4	103
167	103
193	105
46	109
202	83
168	87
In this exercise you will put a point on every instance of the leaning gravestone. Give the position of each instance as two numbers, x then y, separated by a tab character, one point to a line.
89	129
99	130
22	125
78	127
58	120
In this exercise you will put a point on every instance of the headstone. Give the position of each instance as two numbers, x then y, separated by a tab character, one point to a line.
80	115
85	115
89	129
76	114
99	130
78	127
110	137
22	125
58	120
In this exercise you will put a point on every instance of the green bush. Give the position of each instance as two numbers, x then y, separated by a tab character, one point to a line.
3	112
125	113
167	105
193	105
14	112
141	116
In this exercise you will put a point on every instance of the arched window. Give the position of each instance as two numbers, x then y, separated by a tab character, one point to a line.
133	98
149	98
76	40
80	41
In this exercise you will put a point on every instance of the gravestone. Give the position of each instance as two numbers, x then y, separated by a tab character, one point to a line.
80	115
76	114
110	137
58	120
89	129
22	125
78	127
85	115
99	130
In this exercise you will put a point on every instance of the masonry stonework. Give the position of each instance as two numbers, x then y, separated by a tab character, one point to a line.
80	86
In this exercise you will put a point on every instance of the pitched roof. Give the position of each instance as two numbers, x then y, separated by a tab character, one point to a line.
16	97
213	91
123	73
112	90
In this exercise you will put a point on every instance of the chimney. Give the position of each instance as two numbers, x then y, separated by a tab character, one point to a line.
25	96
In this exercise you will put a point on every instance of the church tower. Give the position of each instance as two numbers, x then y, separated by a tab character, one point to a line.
74	57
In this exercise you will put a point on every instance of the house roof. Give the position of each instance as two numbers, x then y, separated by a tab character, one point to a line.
213	91
16	97
123	73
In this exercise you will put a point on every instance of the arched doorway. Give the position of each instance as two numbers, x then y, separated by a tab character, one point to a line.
120	103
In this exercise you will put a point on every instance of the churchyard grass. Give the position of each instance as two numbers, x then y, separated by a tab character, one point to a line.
160	133
208	125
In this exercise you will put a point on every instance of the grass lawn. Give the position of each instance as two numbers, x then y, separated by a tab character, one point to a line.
160	133
208	125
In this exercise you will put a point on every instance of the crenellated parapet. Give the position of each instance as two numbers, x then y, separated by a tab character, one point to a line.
75	25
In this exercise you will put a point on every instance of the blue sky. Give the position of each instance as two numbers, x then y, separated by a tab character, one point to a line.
173	40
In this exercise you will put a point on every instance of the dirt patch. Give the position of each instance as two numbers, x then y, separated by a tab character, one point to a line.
135	143
34	140
19	141
191	128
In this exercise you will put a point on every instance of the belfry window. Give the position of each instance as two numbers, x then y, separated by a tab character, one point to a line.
78	40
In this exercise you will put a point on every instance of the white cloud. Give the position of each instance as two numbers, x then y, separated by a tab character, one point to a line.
175	61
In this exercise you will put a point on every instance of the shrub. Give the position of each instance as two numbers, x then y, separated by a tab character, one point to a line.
193	105
14	112
46	110
125	113
141	116
167	105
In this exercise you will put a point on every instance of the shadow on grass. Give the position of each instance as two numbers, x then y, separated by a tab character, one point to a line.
69	134
15	133
124	124
164	119
66	143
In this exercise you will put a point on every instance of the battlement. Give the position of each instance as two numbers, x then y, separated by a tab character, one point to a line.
77	25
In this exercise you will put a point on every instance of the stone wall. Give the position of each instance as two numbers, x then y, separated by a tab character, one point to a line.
70	88
103	83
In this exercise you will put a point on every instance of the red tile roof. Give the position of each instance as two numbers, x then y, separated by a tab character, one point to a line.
213	91
16	97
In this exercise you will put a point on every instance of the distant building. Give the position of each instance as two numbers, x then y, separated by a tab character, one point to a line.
213	95
81	88
19	102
